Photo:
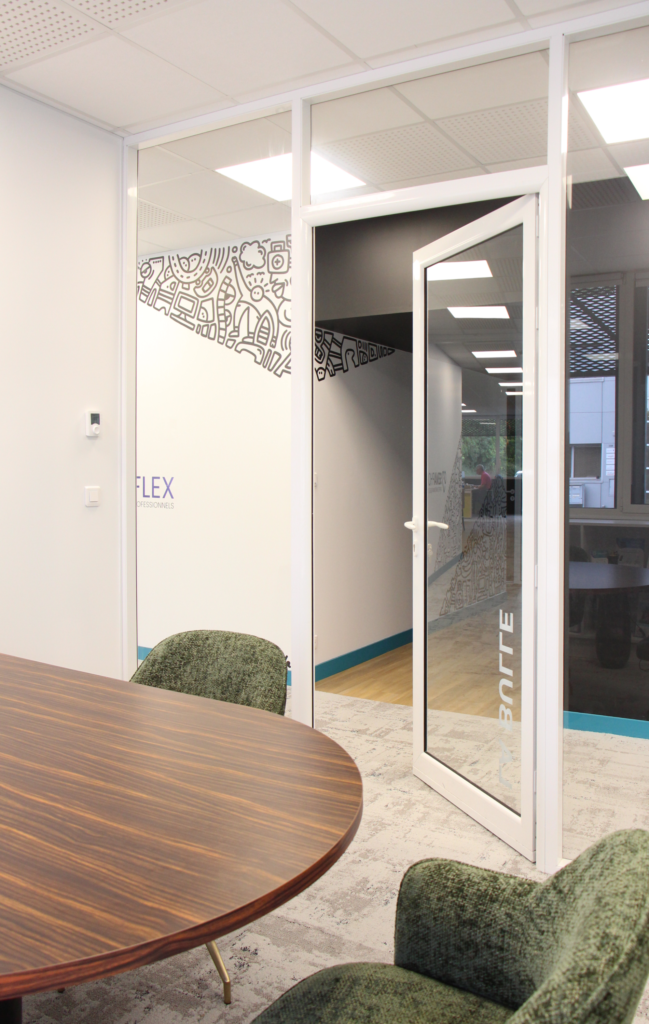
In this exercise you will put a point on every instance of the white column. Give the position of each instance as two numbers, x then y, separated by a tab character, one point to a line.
550	473
302	425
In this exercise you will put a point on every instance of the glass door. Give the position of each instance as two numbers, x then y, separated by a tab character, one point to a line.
473	526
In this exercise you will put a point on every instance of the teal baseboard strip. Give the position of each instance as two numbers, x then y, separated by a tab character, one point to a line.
142	652
288	677
606	723
344	661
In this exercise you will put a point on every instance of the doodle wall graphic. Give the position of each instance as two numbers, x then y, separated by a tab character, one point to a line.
238	296
338	353
481	572
449	544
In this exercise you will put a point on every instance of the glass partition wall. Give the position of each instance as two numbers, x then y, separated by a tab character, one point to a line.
607	466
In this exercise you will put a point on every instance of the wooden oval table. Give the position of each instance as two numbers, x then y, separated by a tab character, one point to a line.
136	823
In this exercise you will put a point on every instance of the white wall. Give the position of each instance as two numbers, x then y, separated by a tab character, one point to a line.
214	413
60	195
363	461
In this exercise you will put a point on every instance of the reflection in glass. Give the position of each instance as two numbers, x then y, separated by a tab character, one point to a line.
474	487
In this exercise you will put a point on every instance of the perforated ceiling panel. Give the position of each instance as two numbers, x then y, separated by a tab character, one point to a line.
29	28
397	154
503	133
593	331
151	216
111	12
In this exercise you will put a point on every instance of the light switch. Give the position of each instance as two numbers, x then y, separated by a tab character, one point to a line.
92	495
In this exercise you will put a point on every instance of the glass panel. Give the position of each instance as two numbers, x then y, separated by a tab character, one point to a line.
475	120
606	733
474	487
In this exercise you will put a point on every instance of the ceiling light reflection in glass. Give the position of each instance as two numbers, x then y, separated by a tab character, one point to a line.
505	353
479	312
504	369
273	176
459	270
620	112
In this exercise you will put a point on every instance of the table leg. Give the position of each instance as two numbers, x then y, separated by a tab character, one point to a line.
11	1011
613	637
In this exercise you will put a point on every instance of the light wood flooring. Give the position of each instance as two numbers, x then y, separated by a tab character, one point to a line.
462	672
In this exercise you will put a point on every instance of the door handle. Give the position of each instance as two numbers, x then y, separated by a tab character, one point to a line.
442	526
411	525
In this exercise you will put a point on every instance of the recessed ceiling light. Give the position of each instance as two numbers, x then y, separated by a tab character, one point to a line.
510	384
479	312
502	353
621	112
601	357
469	410
504	369
513	392
577	325
639	175
459	270
273	176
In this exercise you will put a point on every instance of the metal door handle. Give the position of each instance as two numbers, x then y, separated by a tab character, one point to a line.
411	525
442	526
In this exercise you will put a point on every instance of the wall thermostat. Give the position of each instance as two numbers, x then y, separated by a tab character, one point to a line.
93	424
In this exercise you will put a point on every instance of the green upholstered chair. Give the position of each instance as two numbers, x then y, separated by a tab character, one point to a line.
475	946
233	667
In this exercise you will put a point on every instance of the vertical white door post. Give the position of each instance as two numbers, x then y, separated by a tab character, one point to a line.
302	655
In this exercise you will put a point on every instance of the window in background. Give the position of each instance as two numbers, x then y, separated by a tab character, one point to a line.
607	539
476	120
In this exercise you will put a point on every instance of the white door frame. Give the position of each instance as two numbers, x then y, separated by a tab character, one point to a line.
518	830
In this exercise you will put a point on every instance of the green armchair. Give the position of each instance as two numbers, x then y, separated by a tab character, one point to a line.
475	946
234	667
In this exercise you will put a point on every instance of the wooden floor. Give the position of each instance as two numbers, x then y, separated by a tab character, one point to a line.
387	678
463	671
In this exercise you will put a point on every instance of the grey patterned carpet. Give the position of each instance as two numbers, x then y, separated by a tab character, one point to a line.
348	915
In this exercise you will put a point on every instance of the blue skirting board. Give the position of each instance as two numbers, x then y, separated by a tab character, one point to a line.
344	661
606	723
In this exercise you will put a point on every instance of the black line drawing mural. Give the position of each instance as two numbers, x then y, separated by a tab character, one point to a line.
449	544
237	295
336	353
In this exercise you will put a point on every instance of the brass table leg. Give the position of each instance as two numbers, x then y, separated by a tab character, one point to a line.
213	950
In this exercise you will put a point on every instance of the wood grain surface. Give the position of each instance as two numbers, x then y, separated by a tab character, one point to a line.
136	823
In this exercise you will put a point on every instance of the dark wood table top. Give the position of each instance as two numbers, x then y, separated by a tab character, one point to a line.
136	823
601	576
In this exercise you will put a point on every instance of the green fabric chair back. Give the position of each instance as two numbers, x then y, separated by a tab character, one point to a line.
233	667
571	950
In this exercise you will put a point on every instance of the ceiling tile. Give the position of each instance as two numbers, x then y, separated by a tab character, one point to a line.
156	164
239	47
630	154
28	30
428	179
147	248
494	84
151	216
116	13
425	49
202	195
185	235
372	27
504	133
115	82
359	115
590	165
563	12
260	221
610	60
409	152
236	144
516	165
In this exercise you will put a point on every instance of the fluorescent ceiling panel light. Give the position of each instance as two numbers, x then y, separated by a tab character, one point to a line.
639	175
621	112
514	393
273	176
601	357
503	353
510	384
577	325
469	410
479	312
461	270
504	369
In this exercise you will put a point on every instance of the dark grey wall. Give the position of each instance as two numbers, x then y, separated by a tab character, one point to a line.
364	267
